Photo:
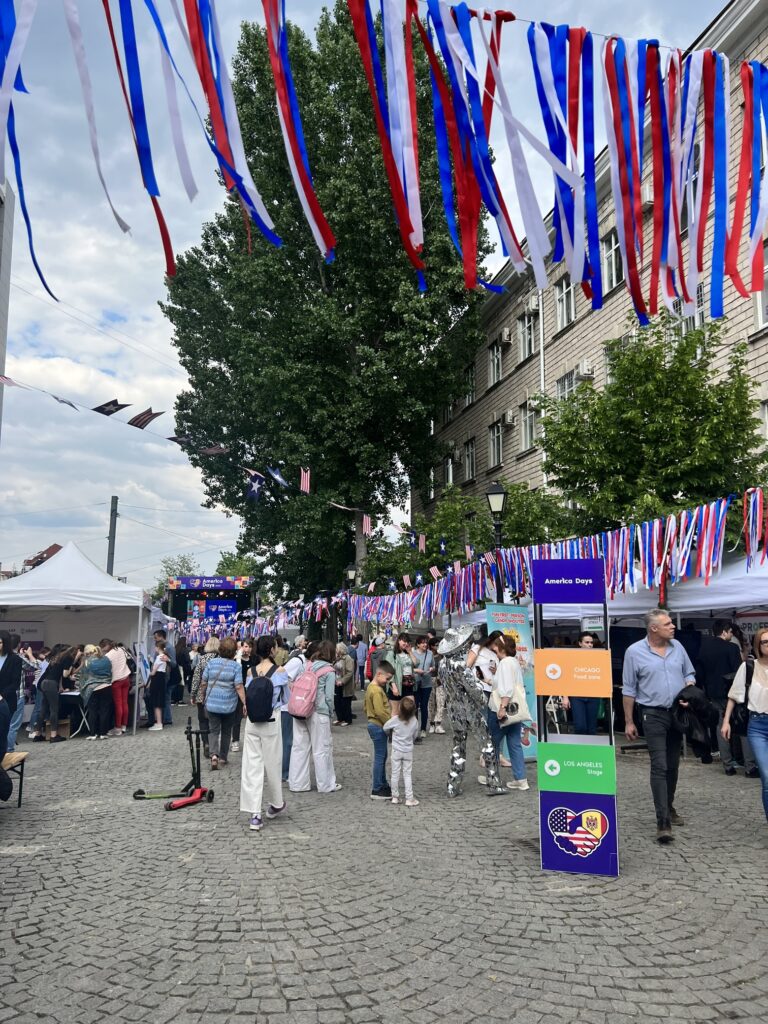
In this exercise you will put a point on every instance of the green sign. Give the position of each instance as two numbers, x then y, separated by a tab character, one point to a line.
577	768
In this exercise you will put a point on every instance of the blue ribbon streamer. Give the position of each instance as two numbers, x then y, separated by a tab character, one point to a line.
133	72
550	127
22	198
7	30
666	164
757	74
721	193
209	38
268	233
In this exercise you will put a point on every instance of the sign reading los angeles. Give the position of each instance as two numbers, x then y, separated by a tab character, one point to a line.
573	672
568	580
577	768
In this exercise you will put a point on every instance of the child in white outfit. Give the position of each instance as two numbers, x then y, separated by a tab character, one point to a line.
404	728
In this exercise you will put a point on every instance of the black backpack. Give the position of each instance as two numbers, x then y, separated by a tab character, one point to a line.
258	697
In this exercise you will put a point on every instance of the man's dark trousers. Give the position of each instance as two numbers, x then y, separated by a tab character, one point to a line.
664	744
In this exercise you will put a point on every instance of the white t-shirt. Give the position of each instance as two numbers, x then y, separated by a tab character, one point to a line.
486	661
119	663
160	664
403	734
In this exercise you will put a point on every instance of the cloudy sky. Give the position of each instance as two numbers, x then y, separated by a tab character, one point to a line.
107	338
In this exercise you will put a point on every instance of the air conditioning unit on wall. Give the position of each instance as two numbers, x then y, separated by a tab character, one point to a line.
506	336
585	370
509	418
532	306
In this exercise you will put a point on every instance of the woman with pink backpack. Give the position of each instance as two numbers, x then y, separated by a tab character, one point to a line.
311	705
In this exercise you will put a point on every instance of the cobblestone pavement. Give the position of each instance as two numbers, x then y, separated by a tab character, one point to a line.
351	910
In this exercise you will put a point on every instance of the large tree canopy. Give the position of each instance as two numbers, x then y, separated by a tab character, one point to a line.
664	434
341	366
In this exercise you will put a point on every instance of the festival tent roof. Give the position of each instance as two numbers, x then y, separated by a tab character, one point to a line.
68	580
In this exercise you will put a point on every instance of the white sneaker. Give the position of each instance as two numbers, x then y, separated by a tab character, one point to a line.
413	802
440	730
423	733
395	800
123	728
234	747
518	784
482	780
431	728
93	736
155	728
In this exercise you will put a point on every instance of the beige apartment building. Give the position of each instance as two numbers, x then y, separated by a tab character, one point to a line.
550	341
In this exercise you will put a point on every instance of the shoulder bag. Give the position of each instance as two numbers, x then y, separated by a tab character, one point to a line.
740	713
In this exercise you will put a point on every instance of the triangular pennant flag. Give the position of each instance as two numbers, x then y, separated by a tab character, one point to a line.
62	401
180	439
214	449
371	587
443	546
278	477
255	484
305	478
110	408
142	419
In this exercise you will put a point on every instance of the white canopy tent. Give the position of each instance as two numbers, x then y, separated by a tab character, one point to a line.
75	600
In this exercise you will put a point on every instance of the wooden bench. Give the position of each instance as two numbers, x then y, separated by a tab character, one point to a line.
15	763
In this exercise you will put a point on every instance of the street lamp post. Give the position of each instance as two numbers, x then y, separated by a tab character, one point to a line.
497	500
351	573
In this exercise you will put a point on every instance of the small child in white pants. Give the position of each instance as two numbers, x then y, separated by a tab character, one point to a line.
404	728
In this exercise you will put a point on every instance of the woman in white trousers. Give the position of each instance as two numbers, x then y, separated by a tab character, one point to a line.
312	735
261	775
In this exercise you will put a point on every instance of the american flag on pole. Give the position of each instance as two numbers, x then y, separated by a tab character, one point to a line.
371	587
367	531
407	582
490	557
457	566
304	486
468	551
422	542
435	573
214	449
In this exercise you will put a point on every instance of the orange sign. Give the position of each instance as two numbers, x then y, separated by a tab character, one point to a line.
573	672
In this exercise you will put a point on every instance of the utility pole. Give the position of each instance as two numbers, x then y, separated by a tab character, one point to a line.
112	534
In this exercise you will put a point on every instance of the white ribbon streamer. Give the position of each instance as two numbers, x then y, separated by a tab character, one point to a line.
177	132
78	48
13	63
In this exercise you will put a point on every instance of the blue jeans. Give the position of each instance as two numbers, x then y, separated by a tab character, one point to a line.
584	711
16	720
36	720
757	734
422	705
286	727
512	734
379	740
361	676
167	713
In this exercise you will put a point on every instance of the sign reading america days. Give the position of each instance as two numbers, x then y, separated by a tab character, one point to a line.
568	580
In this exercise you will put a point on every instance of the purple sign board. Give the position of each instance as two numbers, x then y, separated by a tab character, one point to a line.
568	580
579	833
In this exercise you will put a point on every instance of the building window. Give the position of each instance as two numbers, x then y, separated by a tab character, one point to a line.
469	385
494	363
495	445
447	414
431	484
684	209
566	385
469	459
431	428
565	301
527	334
761	300
696	319
624	341
448	471
764	419
613	267
529	426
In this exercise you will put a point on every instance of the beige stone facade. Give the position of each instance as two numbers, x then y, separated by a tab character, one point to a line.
491	429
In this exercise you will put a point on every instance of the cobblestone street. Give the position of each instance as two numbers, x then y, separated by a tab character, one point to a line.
359	911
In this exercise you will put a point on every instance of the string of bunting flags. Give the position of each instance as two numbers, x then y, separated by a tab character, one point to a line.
653	555
669	116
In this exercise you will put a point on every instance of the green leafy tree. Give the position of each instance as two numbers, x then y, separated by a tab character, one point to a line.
461	519
666	433
296	362
174	565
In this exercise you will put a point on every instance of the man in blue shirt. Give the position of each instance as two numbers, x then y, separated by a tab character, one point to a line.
655	670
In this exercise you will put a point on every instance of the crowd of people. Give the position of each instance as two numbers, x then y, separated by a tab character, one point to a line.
284	704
